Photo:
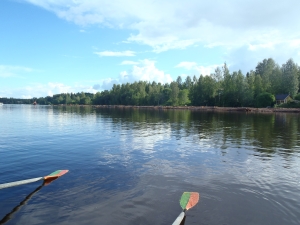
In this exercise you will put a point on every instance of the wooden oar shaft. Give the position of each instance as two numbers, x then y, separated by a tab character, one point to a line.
179	219
16	183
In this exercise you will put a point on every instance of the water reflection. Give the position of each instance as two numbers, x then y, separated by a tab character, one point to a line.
130	166
8	216
269	133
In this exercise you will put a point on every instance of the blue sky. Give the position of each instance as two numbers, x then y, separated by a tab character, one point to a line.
56	46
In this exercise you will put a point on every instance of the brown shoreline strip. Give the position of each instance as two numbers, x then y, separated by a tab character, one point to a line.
208	108
201	108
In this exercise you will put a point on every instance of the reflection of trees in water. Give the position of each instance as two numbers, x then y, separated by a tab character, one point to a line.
266	134
261	134
223	129
146	118
79	110
287	128
275	133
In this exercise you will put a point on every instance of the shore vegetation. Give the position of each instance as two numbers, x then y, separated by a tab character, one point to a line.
256	88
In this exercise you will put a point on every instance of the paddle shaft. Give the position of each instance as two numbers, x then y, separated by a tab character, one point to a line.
179	218
46	179
16	183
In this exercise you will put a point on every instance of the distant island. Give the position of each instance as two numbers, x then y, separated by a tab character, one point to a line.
263	87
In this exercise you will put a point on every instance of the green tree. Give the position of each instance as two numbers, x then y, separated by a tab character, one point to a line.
82	95
174	93
240	87
204	91
276	81
187	83
183	98
194	80
42	101
227	86
58	100
85	101
218	74
265	69
290	80
106	98
209	90
258	87
265	99
97	98
297	97
179	82
68	99
166	95
249	89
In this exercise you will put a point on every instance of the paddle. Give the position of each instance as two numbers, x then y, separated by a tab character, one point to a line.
187	201
46	179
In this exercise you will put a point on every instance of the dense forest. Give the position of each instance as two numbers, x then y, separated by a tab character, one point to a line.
257	88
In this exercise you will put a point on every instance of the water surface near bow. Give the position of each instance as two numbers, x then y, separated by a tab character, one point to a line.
130	166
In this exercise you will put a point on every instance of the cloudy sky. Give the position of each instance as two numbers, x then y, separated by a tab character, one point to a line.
54	46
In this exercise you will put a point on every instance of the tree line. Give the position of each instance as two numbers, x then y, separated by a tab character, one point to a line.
256	88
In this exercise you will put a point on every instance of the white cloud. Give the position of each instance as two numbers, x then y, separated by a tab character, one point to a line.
207	70
173	24
246	33
187	65
111	53
43	90
105	84
144	71
246	60
26	96
12	71
193	66
147	71
56	88
126	62
123	75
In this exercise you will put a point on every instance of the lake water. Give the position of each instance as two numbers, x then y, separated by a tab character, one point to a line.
130	166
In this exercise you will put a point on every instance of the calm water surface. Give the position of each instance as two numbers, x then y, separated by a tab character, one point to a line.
131	166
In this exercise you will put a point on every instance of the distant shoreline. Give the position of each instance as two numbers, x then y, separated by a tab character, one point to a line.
199	108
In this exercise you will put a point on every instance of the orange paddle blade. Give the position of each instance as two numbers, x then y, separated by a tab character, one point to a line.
189	200
55	174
